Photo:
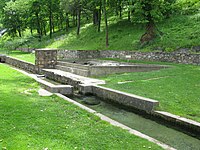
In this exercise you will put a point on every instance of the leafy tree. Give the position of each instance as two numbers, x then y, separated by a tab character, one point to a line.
16	16
149	12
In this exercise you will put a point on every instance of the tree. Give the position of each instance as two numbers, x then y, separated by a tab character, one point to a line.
106	21
148	12
16	16
74	7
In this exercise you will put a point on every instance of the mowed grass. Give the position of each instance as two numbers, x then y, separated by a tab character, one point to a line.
29	57
25	56
176	88
29	121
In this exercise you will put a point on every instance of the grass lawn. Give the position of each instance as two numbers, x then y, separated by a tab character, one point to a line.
29	121
176	88
29	57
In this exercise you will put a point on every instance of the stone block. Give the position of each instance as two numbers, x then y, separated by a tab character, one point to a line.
2	58
62	89
85	89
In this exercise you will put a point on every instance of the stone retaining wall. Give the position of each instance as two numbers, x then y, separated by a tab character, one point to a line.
78	54
175	57
22	64
184	58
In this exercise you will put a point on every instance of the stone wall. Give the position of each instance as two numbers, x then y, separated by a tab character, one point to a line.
22	64
78	54
46	58
184	58
2	58
175	57
28	50
123	99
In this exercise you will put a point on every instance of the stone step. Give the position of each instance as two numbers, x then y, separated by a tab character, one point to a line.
74	65
62	89
78	71
69	78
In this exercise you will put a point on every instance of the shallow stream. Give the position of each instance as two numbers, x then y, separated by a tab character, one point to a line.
172	137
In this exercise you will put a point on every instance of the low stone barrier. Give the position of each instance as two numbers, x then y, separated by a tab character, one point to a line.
175	57
62	89
28	50
190	125
2	58
22	64
78	54
121	98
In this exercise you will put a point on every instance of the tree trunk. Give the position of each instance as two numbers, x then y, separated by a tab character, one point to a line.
129	16
78	19
150	33
44	28
95	17
19	32
67	22
50	19
99	18
106	22
38	27
120	9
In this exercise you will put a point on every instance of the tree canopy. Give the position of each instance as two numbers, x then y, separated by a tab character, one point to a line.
46	16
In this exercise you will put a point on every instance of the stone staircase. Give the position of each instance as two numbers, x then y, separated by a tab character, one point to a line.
73	68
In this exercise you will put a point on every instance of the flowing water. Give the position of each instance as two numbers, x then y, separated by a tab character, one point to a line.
151	128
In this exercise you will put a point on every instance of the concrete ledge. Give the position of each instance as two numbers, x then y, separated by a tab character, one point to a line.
121	98
85	89
62	89
191	125
69	78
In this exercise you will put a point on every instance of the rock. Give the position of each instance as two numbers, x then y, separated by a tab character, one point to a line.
91	101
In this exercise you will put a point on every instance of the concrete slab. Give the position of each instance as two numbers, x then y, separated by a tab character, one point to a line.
43	92
81	79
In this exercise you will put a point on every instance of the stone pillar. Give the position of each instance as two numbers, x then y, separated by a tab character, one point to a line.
2	58
46	58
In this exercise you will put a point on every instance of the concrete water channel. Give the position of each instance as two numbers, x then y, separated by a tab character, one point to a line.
165	134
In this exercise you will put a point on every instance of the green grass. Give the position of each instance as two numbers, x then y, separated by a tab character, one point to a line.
176	88
29	57
25	56
29	121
